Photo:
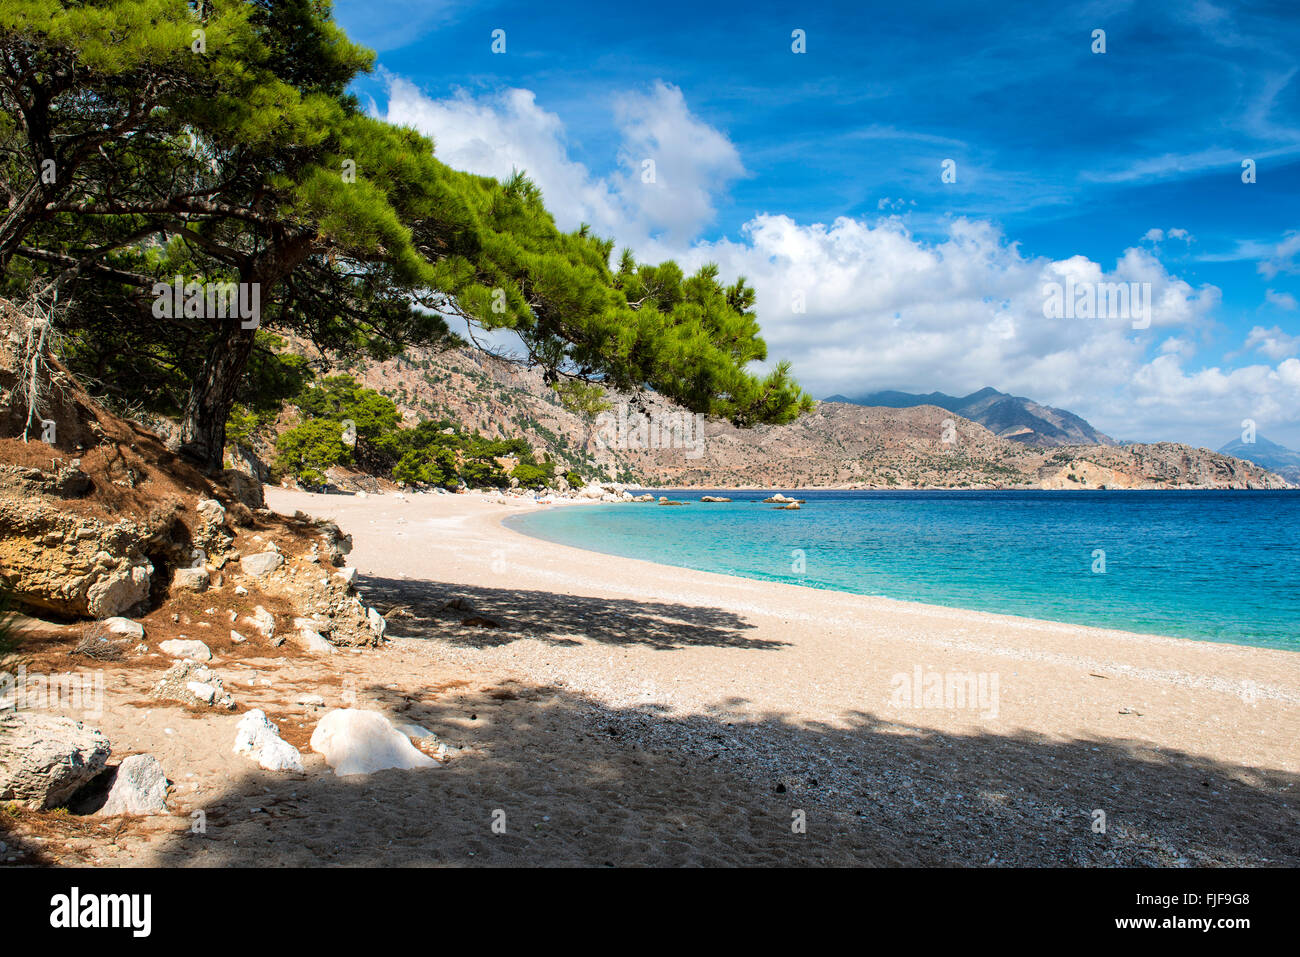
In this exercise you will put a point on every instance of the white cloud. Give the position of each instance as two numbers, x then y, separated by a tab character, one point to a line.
692	161
1273	343
1283	300
1281	258
884	308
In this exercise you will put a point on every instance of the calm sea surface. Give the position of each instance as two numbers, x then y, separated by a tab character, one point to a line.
1215	566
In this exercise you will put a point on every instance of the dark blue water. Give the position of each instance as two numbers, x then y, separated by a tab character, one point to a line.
1216	566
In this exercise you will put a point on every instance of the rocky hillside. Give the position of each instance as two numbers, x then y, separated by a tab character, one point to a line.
839	444
1009	416
98	519
1277	458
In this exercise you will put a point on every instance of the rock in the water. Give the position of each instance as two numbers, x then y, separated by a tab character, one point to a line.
193	684
139	788
124	627
263	563
355	741
191	579
45	759
258	738
186	648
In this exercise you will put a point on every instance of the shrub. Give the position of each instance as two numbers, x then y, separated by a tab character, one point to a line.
308	449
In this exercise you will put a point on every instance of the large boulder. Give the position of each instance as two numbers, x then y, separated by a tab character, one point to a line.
139	788
46	759
356	741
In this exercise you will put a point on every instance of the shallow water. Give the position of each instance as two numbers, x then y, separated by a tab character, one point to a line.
1211	565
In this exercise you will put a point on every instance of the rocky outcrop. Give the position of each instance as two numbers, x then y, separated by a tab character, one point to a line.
45	759
71	565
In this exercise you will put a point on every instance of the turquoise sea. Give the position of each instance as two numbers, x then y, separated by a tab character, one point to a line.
1210	565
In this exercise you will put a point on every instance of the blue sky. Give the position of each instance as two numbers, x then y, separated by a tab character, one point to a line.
818	176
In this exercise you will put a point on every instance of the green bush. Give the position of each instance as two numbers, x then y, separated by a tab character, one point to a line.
308	449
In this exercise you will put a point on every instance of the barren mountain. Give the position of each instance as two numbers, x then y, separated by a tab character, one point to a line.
1010	416
838	444
1278	458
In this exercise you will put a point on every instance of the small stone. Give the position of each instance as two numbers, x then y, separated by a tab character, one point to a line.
260	740
191	579
192	649
124	627
261	564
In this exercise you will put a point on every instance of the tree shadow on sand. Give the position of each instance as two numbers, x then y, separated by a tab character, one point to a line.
579	783
483	617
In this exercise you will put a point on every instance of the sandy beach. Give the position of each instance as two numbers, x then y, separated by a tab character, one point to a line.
607	711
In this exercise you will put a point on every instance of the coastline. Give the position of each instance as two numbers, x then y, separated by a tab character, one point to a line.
622	712
686	645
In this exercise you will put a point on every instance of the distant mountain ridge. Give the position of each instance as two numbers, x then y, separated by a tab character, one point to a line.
1276	458
1007	416
836	445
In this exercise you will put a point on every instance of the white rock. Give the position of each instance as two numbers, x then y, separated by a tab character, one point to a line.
139	788
124	627
263	563
314	642
191	579
376	622
46	759
348	575
310	700
258	738
414	731
356	741
240	590
236	637
263	621
204	692
212	511
186	648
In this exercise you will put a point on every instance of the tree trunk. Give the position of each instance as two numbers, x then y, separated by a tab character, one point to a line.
19	221
203	428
